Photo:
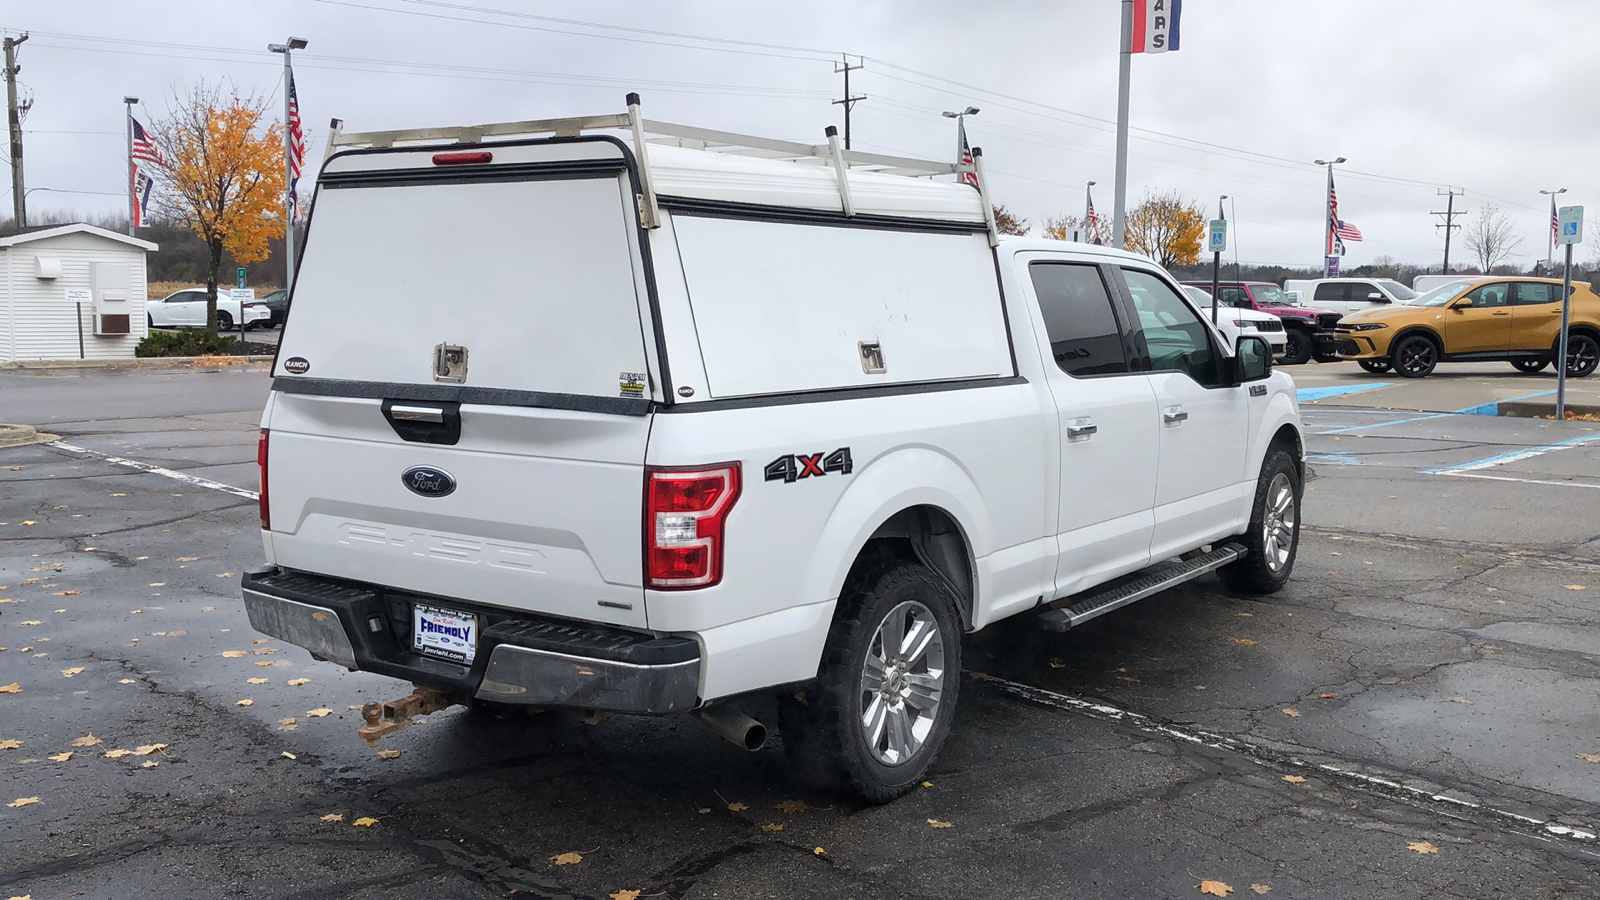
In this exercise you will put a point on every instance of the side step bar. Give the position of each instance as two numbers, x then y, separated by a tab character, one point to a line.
1153	581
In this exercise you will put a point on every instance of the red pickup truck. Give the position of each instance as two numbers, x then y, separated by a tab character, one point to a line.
1309	330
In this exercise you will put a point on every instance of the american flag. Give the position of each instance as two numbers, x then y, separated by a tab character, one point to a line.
966	158
144	150
1555	222
297	143
1091	222
1338	228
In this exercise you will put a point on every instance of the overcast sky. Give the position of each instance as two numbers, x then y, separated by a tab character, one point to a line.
1488	96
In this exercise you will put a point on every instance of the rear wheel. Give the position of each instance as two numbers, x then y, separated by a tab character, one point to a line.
1530	366
1274	533
224	321
881	708
1414	357
1297	347
1583	355
1375	366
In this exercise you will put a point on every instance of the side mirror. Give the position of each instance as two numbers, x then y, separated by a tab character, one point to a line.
1252	358
1463	303
1378	296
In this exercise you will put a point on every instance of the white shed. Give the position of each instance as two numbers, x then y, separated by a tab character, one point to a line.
54	280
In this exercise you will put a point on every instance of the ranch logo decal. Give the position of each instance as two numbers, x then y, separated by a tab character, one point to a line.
427	481
794	466
631	384
297	365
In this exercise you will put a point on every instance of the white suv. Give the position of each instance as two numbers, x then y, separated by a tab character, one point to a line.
1348	295
707	425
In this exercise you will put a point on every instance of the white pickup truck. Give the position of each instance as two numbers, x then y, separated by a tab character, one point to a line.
756	417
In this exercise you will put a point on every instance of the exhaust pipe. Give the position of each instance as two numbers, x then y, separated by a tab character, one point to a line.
732	725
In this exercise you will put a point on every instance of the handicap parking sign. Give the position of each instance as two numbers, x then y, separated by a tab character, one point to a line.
1570	220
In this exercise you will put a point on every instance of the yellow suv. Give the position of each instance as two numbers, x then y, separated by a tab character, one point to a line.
1517	320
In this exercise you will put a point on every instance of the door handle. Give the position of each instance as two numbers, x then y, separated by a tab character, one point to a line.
1081	430
1174	415
417	413
1502	313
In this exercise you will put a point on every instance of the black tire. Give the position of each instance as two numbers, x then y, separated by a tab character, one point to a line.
1274	534
1297	347
1583	355
1375	366
1530	366
1414	356
269	325
149	321
824	732
224	321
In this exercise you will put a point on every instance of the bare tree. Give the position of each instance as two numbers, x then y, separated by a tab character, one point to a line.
1008	222
1491	237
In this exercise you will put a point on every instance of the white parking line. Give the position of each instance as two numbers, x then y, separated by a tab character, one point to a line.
157	470
1270	758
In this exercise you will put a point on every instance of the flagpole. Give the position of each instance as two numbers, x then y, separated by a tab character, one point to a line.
286	49
133	189
1124	70
1090	226
1327	214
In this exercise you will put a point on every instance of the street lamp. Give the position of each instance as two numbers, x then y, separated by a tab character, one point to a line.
1550	255
287	48
1327	216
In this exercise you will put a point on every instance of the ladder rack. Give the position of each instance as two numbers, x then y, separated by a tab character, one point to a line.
646	131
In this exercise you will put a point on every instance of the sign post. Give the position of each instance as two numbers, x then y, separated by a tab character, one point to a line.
241	278
1569	231
79	299
1217	242
243	295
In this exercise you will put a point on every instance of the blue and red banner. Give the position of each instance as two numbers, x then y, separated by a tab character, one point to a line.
1155	25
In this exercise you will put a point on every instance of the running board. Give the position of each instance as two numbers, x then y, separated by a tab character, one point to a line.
1153	581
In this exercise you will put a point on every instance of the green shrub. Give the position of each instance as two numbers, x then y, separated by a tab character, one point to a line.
184	342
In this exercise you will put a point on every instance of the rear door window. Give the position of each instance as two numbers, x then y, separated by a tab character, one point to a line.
1084	333
1232	296
1533	294
1331	293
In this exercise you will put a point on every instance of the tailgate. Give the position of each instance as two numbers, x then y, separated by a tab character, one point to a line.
462	390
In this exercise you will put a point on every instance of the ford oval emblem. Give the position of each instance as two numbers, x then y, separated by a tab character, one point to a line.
428	481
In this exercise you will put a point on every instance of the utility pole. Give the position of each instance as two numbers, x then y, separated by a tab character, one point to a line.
286	48
1449	221
848	102
1119	190
19	195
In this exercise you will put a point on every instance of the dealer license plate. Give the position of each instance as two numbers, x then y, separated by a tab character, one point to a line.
444	633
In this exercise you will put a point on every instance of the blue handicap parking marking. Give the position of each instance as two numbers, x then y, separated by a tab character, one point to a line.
1307	395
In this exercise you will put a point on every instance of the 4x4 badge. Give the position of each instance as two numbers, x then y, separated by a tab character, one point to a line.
792	467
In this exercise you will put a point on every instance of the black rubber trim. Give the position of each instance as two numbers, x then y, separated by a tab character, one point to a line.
561	170
836	394
722	209
481	396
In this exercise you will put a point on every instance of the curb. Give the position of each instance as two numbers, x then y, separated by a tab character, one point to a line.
154	362
23	435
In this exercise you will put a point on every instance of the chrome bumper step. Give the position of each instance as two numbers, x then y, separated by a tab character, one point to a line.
1153	580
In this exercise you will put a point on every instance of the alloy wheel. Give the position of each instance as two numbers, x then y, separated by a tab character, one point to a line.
902	683
1277	538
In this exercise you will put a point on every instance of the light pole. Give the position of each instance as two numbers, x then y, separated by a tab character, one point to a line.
1550	252
962	154
1327	216
127	128
286	49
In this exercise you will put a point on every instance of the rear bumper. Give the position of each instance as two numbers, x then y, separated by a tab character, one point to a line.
520	659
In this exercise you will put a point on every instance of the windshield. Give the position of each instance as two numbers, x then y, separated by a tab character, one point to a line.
1400	291
1269	295
1442	294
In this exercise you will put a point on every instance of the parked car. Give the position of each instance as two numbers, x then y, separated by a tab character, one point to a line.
1236	322
187	308
1517	320
1348	295
1308	331
856	445
277	303
1422	284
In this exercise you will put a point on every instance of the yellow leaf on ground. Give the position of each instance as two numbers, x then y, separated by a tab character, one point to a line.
61	757
117	754
1260	889
619	895
819	851
296	682
245	703
927	784
188	558
149	764
10	744
1576	587
266	662
388	754
1327	696
1422	847
319	713
1295	779
12	688
772	826
148	749
31	622
1589	757
208	609
29	522
87	740
737	807
333	817
257	680
792	806
365	822
1292	713
1245	641
265	651
704	810
66	593
289	721
233	654
1215	888
938	824
23	801
68	673
1461	700
1058	664
224	574
126	681
287	755
567	859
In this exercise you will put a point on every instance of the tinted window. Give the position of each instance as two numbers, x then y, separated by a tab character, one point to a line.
1176	340
1490	295
1078	319
1232	296
1529	294
189	297
1330	293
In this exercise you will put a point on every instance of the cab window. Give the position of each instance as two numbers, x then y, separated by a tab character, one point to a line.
1232	296
1084	336
1490	295
1176	340
1331	293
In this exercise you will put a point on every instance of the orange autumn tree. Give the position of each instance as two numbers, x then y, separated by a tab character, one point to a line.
1166	227
223	177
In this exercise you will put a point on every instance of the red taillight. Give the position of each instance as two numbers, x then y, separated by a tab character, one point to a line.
261	460
462	159
685	511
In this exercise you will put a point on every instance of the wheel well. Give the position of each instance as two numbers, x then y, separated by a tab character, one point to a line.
1288	437
926	535
1583	329
1415	330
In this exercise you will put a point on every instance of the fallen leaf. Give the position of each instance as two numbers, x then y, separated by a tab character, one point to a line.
1422	847
333	817
287	755
66	594
799	806
1245	615
1215	888
13	687
126	681
1460	700
87	740
1575	587
1245	641
619	895
267	662
187	558
148	749
1589	757
1260	888
68	673
265	651
289	721
30	522
704	810
296	682
149	764
234	654
135	612
245	703
1292	713
1294	779
23	801
117	754
224	575
10	744
388	754
819	851
365	822
772	826
158	584
257	680
567	859
1327	696
737	807
935	823
1058	664
208	609
31	622
1335	553
318	713
262	641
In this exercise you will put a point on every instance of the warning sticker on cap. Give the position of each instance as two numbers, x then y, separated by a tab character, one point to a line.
631	384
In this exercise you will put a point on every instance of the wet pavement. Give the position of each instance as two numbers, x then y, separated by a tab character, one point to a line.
1430	674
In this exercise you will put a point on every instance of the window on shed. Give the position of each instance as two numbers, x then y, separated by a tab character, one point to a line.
1078	318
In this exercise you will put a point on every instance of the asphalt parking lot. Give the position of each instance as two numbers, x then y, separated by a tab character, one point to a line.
1416	715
